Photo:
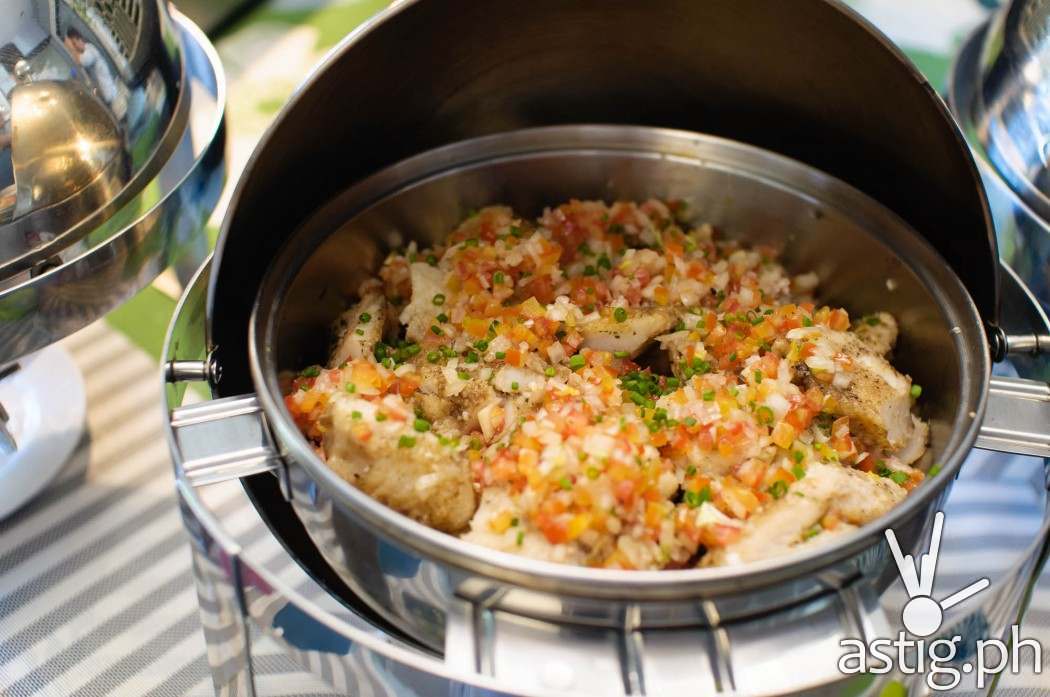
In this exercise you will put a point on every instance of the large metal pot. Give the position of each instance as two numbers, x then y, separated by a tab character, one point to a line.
807	80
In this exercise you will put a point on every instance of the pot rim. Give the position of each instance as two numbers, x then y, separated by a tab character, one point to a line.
933	272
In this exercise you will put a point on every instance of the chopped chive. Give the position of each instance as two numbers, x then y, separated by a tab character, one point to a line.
351	387
500	355
916	391
432	260
438	299
497	277
709	395
442	317
521	537
620	314
355	414
437	330
364	318
549	371
798	470
565	483
380	416
481	345
576	362
758	377
777	489
433	356
899	477
406	442
311	372
421	425
620	354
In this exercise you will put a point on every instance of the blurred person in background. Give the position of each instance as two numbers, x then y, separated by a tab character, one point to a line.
94	64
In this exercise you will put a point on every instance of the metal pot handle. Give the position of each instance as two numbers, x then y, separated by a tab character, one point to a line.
1017	417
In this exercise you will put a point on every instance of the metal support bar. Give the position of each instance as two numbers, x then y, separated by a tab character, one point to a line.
223	439
1017	419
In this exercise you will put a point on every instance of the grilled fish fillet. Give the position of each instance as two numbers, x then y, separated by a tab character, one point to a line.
631	335
865	387
360	328
854	496
878	331
428	481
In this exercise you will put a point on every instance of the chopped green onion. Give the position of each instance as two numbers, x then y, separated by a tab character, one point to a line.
472	357
765	415
589	270
799	471
406	442
497	277
351	387
472	242
438	299
421	425
437	330
433	356
576	362
462	375
900	478
355	414
620	354
798	455
694	499
690	422
514	386
481	345
620	314
521	537
758	377
364	318
934	471
777	489
359	332
709	395
806	321
311	372
565	483
549	371
500	355
916	391
380	416
442	317
432	260
592	473
812	532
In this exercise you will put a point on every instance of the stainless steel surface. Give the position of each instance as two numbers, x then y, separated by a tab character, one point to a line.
1022	230
158	225
91	93
808	79
242	597
223	439
1011	106
1018	417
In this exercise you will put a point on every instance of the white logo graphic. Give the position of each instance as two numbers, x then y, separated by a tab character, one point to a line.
922	614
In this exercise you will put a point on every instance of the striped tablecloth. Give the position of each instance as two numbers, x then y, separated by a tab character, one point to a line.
96	592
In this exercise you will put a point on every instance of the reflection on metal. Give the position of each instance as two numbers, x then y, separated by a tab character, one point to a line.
1011	109
61	284
91	106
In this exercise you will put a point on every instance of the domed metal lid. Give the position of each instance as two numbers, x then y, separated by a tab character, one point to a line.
89	109
1011	109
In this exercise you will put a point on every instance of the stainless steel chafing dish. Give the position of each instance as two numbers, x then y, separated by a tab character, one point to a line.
844	145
